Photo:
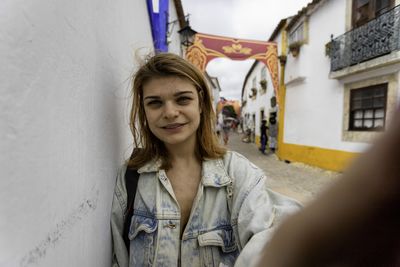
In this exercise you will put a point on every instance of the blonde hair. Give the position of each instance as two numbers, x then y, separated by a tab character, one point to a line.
170	65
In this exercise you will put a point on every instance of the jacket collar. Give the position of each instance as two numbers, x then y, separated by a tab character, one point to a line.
151	166
213	171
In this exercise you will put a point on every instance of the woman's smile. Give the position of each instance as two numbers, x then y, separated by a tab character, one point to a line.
173	127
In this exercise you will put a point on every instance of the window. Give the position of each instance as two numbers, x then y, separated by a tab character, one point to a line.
263	80
368	108
263	73
254	82
366	10
297	35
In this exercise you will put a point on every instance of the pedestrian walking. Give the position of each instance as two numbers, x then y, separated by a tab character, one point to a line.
264	136
196	204
218	130
241	124
273	133
226	127
218	127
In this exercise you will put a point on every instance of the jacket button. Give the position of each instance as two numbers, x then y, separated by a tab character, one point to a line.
171	225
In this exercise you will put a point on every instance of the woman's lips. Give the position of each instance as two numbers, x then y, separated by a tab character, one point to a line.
173	127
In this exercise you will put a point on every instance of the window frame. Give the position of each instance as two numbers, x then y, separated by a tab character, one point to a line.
263	73
254	82
294	34
363	97
372	13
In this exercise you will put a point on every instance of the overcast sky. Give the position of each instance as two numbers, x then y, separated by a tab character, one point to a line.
243	19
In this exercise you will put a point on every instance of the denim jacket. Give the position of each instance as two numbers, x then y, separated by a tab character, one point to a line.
232	217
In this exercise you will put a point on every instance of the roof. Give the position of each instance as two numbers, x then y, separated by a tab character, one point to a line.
213	81
216	81
209	78
278	28
302	12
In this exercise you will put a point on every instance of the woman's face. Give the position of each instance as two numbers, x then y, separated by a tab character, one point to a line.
172	109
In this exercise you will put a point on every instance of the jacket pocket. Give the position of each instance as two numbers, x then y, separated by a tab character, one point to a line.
218	246
142	236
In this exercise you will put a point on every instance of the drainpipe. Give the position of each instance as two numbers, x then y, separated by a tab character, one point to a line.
282	94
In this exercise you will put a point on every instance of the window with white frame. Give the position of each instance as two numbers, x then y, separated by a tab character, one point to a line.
253	89
263	80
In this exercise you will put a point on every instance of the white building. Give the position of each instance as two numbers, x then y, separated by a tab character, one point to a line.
336	97
215	88
257	92
64	87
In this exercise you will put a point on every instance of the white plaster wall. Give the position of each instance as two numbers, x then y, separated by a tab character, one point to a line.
250	107
314	103
246	108
64	80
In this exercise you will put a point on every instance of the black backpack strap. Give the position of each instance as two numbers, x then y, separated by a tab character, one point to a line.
131	182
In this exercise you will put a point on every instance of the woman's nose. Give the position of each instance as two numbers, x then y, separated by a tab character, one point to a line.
170	110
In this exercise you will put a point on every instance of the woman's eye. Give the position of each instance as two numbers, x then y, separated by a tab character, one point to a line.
154	103
184	100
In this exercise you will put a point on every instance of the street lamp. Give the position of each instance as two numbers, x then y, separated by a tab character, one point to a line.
187	34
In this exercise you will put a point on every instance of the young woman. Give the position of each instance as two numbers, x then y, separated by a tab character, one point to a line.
196	203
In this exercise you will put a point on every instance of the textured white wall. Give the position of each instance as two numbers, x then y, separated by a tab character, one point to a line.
64	80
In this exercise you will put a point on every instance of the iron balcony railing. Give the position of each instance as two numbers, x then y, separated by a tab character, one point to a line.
376	38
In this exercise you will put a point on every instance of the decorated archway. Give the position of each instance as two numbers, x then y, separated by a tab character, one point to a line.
207	47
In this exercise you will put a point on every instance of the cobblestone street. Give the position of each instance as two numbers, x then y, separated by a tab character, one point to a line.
297	180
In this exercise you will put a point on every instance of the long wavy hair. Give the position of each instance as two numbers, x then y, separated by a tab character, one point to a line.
147	145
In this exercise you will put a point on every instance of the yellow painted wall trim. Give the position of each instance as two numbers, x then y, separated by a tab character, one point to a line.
258	140
329	159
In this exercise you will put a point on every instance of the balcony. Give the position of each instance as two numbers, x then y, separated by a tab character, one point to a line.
376	38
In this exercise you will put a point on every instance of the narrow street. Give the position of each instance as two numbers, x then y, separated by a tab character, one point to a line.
299	181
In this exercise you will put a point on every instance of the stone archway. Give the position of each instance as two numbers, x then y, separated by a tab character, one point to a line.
207	47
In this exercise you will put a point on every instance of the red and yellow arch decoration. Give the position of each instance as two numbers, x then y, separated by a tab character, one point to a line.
206	47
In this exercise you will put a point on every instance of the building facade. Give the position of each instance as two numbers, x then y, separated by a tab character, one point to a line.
257	95
215	89
340	81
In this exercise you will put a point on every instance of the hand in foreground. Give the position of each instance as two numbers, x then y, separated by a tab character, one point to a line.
356	222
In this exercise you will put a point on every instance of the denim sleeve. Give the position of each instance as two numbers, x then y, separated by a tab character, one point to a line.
119	251
261	211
